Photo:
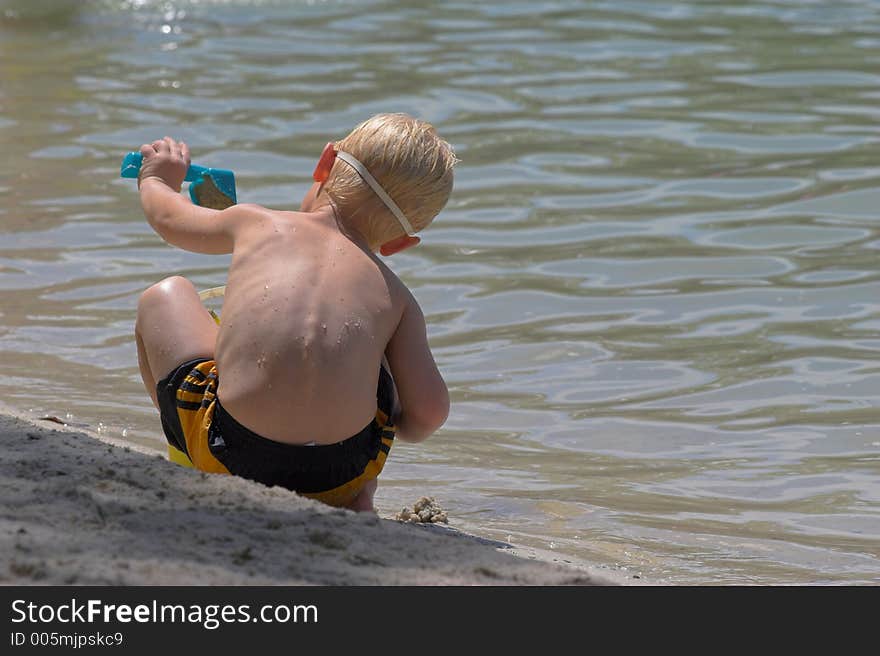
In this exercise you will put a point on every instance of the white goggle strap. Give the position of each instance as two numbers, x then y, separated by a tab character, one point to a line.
375	186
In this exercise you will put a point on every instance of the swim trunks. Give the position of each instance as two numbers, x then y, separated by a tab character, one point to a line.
202	434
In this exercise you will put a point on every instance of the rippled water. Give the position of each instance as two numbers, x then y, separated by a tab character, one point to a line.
654	293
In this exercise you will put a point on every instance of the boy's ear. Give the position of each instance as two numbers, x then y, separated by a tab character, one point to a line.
325	164
397	245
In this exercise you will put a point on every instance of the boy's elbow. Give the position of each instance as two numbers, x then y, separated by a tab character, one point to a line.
419	425
160	219
161	225
410	430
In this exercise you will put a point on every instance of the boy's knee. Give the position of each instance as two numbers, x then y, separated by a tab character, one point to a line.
162	292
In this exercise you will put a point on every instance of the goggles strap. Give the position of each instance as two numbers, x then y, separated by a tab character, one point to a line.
376	187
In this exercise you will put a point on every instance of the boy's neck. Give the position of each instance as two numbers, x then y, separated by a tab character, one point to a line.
349	226
357	228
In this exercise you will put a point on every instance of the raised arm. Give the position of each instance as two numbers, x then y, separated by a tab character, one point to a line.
173	217
422	393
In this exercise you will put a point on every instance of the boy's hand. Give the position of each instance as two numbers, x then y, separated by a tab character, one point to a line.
165	159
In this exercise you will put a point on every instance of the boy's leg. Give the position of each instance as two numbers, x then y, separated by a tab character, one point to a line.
363	502
172	327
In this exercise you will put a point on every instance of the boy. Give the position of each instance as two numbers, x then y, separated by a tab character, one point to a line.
294	387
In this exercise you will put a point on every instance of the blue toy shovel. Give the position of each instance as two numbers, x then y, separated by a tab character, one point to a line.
213	188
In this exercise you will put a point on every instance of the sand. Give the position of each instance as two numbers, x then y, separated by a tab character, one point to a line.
84	509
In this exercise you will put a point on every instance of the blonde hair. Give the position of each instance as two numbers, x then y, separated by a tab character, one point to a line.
411	162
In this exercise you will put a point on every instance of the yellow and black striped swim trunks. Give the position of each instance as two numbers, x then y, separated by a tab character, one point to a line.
203	435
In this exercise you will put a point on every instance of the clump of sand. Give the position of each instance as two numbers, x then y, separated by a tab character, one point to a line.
425	511
208	195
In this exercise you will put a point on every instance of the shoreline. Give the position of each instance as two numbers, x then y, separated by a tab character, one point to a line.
87	509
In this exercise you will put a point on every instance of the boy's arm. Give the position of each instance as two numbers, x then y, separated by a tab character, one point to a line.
422	393
173	217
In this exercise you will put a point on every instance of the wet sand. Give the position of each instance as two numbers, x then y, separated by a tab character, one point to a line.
84	509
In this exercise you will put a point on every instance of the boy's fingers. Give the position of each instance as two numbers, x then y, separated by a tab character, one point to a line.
166	146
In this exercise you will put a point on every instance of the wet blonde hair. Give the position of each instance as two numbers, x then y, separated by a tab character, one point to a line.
411	162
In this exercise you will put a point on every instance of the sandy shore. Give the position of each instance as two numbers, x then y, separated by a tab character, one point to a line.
84	509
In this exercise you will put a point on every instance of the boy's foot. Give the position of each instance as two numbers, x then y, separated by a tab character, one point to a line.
363	502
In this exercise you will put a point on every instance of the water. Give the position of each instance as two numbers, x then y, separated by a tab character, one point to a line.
654	293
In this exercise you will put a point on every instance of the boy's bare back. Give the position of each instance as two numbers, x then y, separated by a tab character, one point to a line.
306	320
